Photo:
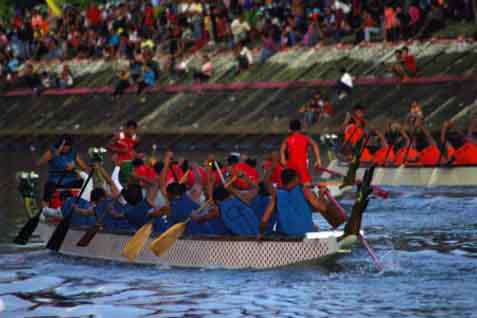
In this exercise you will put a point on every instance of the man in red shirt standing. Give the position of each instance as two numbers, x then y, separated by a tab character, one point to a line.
122	145
294	152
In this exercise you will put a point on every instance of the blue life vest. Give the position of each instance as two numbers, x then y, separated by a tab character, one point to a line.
76	218
217	227
294	214
58	164
238	217
259	206
108	221
137	215
181	210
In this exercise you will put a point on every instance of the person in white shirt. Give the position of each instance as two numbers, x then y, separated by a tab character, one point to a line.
240	29
345	84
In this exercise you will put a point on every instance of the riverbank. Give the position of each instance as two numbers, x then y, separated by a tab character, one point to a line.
247	109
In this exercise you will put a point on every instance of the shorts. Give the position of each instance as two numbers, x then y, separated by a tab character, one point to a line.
302	171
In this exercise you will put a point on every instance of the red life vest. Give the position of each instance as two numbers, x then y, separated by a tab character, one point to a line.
126	143
353	133
191	177
276	175
429	156
175	171
145	171
411	157
466	155
297	149
251	172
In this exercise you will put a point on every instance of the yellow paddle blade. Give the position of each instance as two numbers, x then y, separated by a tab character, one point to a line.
136	243
168	238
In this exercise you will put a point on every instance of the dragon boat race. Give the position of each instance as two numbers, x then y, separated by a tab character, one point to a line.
238	158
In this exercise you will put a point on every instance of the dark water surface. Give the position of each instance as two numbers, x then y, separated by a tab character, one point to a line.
427	240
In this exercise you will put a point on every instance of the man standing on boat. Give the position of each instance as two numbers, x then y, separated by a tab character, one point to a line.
294	152
122	144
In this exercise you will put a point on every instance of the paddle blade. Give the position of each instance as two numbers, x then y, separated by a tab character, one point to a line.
89	235
136	243
27	230
165	241
57	238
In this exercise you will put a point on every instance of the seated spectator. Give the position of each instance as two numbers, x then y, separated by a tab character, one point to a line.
405	65
122	83
148	79
206	70
65	79
409	62
313	34
32	79
269	47
369	26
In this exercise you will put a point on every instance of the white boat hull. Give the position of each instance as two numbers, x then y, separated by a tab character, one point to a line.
414	176
219	252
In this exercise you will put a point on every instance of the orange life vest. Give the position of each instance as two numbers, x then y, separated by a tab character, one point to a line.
466	155
383	155
367	156
353	134
429	156
411	153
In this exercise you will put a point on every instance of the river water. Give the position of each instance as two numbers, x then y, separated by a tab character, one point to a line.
427	240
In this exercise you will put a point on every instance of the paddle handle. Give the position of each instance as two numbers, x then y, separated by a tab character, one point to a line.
338	206
376	189
221	176
371	252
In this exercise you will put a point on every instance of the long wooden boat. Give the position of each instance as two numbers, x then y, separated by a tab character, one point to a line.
414	176
210	251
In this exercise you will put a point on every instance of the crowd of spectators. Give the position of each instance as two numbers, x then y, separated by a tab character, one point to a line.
139	30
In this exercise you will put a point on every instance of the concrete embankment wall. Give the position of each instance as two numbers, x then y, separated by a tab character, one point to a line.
260	115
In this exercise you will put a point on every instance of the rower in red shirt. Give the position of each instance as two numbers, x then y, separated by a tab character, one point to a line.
466	153
430	155
385	154
122	145
353	128
294	152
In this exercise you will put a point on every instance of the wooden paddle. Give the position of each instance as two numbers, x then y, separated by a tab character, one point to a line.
30	226
165	241
136	243
59	235
371	253
91	232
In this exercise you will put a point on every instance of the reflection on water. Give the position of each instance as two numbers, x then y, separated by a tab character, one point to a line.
427	240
